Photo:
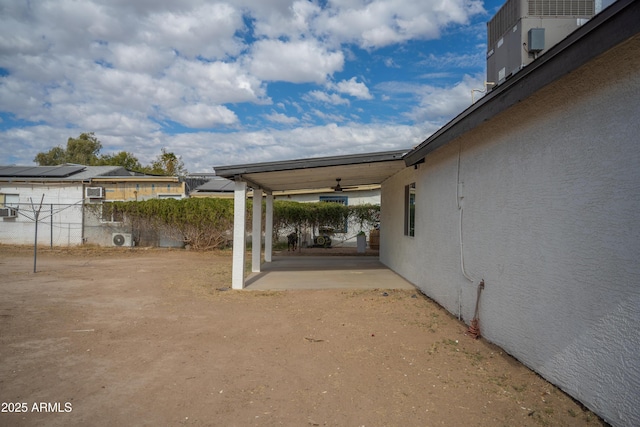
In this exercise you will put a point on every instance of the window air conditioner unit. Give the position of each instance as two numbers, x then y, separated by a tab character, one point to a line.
8	213
122	239
94	192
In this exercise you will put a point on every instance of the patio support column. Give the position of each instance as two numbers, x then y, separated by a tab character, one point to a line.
256	234
268	229
239	242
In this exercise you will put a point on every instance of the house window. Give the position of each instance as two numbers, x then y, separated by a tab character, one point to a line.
110	213
343	200
410	209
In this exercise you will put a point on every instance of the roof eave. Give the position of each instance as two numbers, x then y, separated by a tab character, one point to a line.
137	178
318	162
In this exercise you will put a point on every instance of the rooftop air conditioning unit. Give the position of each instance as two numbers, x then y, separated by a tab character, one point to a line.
94	192
8	212
122	239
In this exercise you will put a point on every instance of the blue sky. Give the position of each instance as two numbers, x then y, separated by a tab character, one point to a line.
240	81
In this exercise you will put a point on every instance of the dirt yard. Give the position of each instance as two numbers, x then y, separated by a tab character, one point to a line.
153	337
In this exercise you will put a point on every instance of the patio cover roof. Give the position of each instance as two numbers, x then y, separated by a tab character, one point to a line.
320	172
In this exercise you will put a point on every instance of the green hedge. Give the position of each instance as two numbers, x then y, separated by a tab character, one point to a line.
207	223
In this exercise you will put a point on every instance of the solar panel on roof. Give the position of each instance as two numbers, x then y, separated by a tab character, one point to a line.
39	171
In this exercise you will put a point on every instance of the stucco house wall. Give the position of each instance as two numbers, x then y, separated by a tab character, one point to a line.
60	218
550	197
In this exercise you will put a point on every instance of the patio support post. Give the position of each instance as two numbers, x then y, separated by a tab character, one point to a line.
239	242
268	229
256	234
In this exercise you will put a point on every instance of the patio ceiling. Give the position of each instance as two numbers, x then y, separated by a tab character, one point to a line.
317	173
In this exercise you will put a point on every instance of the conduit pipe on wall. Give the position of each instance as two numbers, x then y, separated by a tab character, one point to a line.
464	272
459	200
474	328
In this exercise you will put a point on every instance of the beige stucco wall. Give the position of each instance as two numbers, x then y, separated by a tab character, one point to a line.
551	195
140	189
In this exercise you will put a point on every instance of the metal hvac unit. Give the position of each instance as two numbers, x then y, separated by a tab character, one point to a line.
121	239
94	192
8	213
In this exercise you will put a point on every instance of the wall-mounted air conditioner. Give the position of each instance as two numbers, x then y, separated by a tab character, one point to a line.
94	192
8	212
122	239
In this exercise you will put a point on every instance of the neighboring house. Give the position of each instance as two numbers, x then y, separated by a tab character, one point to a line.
532	192
72	202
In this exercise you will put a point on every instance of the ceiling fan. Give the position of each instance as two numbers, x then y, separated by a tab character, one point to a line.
338	188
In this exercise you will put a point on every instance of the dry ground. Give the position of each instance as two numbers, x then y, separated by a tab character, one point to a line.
146	337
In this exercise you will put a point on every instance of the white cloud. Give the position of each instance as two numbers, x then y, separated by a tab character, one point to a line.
116	124
281	118
290	19
327	117
201	116
207	30
440	75
19	96
327	98
439	104
141	58
297	61
373	24
352	87
389	62
455	60
303	142
215	82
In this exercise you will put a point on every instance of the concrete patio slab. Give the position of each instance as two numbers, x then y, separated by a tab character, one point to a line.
325	272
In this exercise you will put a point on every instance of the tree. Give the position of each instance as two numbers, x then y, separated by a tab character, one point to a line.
167	163
123	158
82	150
55	156
85	149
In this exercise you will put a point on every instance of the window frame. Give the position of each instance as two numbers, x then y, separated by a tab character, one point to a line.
410	209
